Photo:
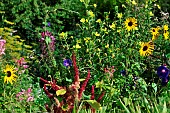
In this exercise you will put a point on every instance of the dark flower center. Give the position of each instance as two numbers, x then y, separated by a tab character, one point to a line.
153	30
8	73
145	48
130	24
165	31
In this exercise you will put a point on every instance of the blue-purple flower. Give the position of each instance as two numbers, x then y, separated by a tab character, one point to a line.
49	24
163	73
123	72
67	62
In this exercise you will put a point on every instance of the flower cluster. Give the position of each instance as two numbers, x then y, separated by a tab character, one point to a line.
69	94
2	46
110	71
67	62
22	63
47	42
9	74
25	95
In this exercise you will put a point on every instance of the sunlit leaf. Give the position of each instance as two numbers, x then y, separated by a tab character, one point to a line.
60	92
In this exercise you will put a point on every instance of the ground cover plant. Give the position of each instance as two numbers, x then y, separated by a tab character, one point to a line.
84	56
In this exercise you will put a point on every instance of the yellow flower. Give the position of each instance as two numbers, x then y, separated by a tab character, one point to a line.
90	13
98	49
154	37
133	2
87	39
158	6
95	5
113	26
97	34
78	41
166	27
166	33
151	14
71	37
98	20
62	35
86	20
119	15
77	46
8	22
10	74
107	46
155	31
146	48
82	20
130	24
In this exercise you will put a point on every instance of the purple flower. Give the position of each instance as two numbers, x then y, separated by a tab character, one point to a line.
67	62
49	24
165	81
123	72
163	72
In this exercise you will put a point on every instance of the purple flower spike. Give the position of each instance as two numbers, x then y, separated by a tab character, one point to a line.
67	62
163	72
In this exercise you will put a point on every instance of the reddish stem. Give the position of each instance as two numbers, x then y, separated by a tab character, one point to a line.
83	86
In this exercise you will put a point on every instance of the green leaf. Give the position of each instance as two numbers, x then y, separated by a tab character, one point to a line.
154	87
94	104
168	55
47	40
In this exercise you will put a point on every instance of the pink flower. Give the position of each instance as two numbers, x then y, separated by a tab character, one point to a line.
2	48
29	90
29	99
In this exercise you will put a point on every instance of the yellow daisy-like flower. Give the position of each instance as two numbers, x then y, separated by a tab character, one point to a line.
155	31
166	33
10	74
130	24
146	48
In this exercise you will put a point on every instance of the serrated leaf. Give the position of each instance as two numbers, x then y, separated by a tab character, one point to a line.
60	92
94	104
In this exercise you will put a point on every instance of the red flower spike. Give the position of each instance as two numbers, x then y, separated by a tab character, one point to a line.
76	77
45	81
92	93
83	86
47	108
100	97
